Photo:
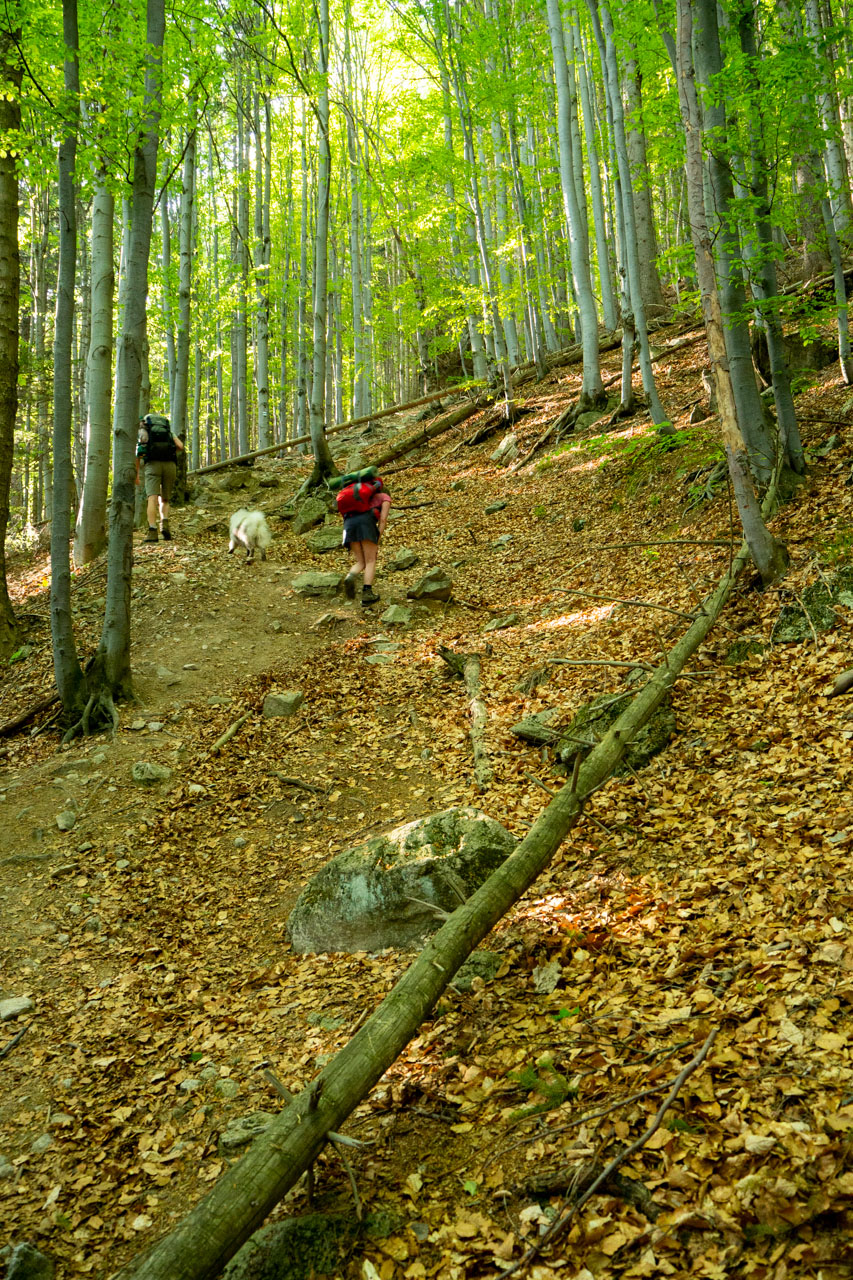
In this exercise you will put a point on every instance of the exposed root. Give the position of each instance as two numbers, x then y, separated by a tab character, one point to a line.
99	714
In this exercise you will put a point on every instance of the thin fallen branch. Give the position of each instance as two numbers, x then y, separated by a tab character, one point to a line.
668	542
297	782
229	733
638	604
18	722
16	1039
597	662
560	1224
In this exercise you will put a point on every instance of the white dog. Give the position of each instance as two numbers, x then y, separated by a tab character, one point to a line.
250	528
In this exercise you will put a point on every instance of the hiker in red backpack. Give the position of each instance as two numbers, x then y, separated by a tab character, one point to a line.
363	501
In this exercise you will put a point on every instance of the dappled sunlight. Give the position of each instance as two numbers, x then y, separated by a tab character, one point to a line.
583	618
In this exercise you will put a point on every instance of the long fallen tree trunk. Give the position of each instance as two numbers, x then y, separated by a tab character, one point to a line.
233	1210
429	433
283	445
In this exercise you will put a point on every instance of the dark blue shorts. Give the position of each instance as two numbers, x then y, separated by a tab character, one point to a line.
361	527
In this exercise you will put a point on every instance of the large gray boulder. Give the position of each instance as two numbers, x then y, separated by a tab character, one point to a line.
434	585
378	894
317	584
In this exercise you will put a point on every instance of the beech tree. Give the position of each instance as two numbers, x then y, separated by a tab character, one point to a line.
11	71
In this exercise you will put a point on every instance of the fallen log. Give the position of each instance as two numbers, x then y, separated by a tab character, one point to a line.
17	722
339	426
467	667
429	433
202	1243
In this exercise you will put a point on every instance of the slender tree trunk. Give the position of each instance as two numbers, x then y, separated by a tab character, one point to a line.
625	200
180	394
263	178
834	159
109	678
602	252
323	462
647	245
10	122
592	393
66	667
241	369
770	556
168	315
91	535
301	318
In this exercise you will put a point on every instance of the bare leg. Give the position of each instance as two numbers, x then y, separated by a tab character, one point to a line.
152	505
369	551
357	549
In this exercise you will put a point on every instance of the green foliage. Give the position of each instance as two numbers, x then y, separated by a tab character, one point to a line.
543	1079
839	548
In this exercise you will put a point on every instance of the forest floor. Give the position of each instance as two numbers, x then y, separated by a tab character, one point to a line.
711	890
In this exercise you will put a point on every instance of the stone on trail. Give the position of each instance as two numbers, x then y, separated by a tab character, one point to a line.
66	819
14	1007
384	892
493	508
27	1263
327	538
283	704
317	584
500	624
404	559
298	1248
242	1131
148	774
434	585
311	512
396	615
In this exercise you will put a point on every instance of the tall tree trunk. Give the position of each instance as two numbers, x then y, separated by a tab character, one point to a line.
602	251
11	69
323	462
592	393
66	667
240	371
168	315
647	245
834	159
625	199
301	317
91	534
180	395
109	678
770	556
263	179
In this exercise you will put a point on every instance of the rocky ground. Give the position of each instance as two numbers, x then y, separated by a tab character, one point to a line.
144	922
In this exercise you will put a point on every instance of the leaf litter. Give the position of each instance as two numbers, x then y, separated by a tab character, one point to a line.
708	892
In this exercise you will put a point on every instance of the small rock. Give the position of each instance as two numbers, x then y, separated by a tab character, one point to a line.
92	924
578	524
457	485
66	819
7	1169
155	726
317	584
209	1073
503	541
309	513
42	1143
379	659
396	615
136	726
283	704
27	1263
500	624
14	1007
147	774
494	507
404	559
325	539
190	666
434	585
243	1131
226	1089
168	677
195	789
61	1120
506	450
122	864
240	842
189	1085
275	626
179	579
327	621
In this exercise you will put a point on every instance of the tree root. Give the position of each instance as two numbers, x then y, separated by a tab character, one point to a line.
99	715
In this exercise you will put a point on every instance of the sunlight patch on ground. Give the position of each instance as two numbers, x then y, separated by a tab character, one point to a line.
584	618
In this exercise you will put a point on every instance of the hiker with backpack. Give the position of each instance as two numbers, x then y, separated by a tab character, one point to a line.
157	449
363	501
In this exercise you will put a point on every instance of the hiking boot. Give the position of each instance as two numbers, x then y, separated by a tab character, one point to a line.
166	532
151	535
349	585
368	597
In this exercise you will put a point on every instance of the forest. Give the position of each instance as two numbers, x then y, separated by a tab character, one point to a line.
574	275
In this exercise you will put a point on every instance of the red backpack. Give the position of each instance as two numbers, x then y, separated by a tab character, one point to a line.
356	498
